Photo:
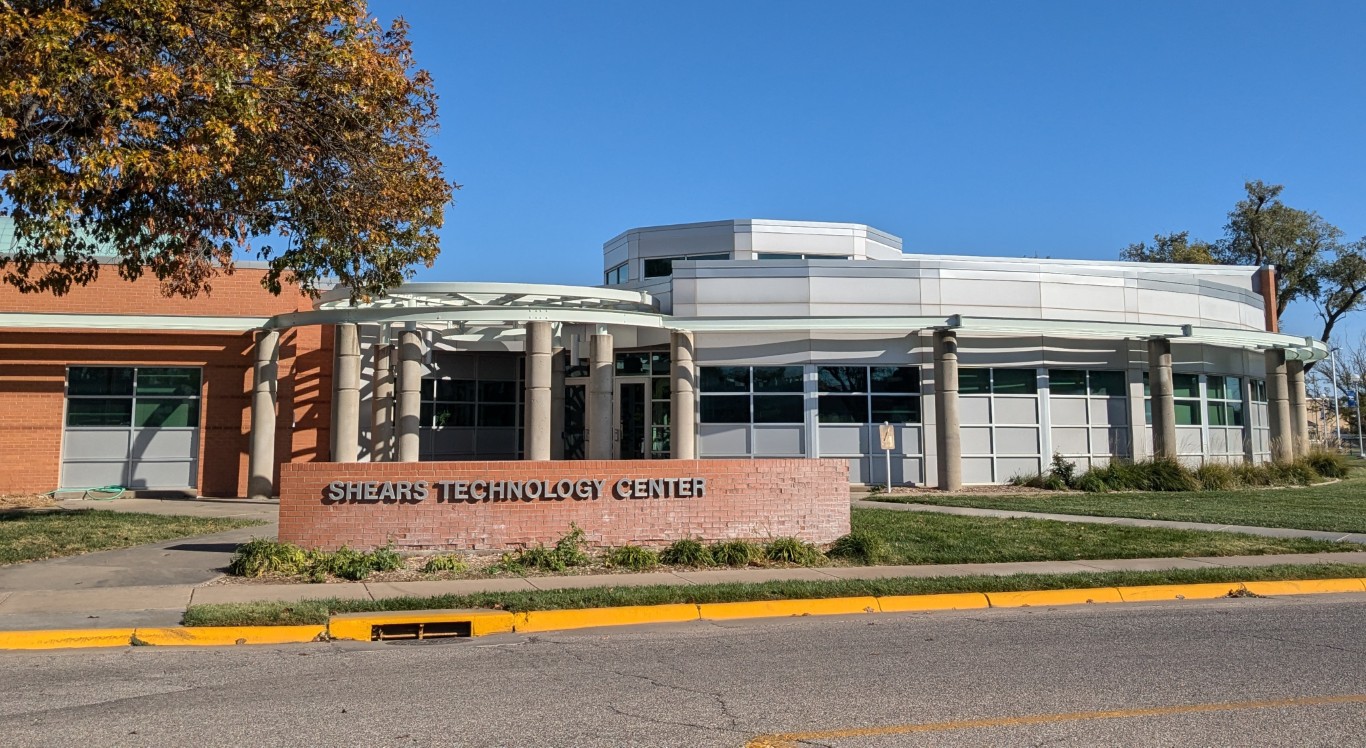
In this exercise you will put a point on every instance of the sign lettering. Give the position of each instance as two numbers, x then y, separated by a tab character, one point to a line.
481	491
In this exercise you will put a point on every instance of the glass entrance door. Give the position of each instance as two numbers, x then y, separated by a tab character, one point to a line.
632	407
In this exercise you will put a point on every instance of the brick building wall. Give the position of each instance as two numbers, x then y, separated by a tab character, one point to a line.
744	499
33	366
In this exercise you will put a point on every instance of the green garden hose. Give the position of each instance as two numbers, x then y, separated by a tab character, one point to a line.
115	491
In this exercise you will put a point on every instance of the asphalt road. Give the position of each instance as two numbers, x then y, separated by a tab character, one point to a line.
1244	672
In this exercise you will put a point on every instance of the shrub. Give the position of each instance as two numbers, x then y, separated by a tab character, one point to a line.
567	551
1327	464
632	557
352	564
1064	470
1253	476
788	550
1092	483
1043	481
735	553
1214	476
686	553
861	546
1296	473
569	548
261	556
445	562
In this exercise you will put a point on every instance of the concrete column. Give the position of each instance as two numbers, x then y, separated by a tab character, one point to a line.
1278	407
948	438
1164	398
382	406
536	431
683	398
409	395
265	384
557	364
1299	406
601	380
346	395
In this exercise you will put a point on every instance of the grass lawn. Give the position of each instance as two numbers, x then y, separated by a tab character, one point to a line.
925	538
1337	506
316	611
34	535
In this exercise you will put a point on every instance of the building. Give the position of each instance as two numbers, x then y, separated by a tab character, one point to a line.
732	339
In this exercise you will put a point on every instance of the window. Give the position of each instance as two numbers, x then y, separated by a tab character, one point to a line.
864	394
1224	396
467	403
660	267
794	256
757	394
123	396
1186	405
617	275
998	382
1085	382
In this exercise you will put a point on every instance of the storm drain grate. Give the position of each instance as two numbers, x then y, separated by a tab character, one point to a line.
420	630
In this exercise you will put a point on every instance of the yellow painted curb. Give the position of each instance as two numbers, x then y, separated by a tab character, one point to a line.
358	625
1054	597
950	601
1305	587
1204	591
65	638
208	636
560	620
831	606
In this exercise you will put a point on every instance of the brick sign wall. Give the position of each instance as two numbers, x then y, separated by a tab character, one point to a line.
502	505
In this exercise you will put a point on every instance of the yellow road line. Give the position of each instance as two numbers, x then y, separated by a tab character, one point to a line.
791	739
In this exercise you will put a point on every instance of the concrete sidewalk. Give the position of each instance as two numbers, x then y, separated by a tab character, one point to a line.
962	511
162	605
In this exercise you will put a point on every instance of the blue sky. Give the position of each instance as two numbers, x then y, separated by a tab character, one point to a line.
1062	129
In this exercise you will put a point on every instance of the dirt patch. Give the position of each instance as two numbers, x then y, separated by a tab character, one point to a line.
26	501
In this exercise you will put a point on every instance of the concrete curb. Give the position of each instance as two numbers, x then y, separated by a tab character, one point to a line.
360	626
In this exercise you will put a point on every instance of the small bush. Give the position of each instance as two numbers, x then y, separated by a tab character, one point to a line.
1327	464
736	553
862	547
569	548
1091	483
568	551
1043	481
1215	476
632	557
445	562
793	551
686	553
1064	470
259	557
355	565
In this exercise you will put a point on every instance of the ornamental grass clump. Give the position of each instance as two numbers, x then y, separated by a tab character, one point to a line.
631	557
789	550
687	552
263	557
861	547
448	562
735	553
260	556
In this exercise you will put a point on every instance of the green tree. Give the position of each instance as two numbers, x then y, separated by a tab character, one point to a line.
180	134
1312	261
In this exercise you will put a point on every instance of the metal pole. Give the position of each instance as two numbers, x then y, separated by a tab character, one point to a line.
1337	416
1361	448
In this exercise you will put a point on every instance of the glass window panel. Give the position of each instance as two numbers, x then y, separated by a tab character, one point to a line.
425	415
428	389
453	414
1235	414
843	378
629	364
725	409
576	370
659	413
778	409
1108	383
659	363
777	256
712	256
777	379
1217	415
1259	390
974	381
455	389
1187	412
166	412
1233	386
1214	389
99	380
660	388
1186	385
168	381
725	379
497	392
1014	381
498	415
895	379
1147	387
659	267
843	409
896	408
659	441
1148	412
1067	382
99	412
